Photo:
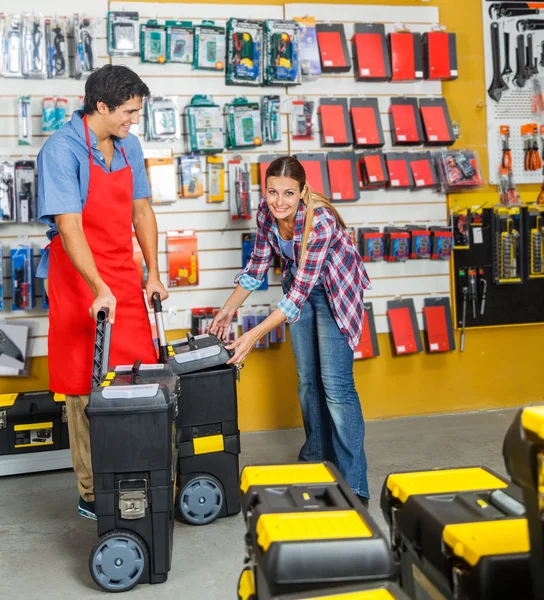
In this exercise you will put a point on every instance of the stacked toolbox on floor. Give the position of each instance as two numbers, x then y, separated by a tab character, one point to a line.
523	452
309	536
33	433
458	534
132	414
208	437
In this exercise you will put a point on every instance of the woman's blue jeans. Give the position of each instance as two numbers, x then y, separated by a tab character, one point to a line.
331	410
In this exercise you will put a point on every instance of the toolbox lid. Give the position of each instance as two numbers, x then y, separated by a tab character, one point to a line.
443	481
285	475
193	355
381	594
311	526
532	419
150	367
472	541
149	390
7	400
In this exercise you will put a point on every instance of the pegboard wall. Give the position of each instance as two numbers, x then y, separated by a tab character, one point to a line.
515	107
219	238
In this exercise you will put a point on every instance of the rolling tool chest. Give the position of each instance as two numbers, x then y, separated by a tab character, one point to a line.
458	534
32	424
523	452
208	438
308	533
132	429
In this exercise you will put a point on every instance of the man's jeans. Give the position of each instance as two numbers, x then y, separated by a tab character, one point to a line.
333	419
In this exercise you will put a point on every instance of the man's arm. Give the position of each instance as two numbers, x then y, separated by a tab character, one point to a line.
145	226
77	248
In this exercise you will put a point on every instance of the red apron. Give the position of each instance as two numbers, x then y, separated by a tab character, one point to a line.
107	223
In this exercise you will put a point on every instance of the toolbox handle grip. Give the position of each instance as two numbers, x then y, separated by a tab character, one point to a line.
102	340
191	341
135	371
159	322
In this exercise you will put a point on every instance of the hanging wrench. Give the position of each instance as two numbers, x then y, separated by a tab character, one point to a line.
520	78
498	85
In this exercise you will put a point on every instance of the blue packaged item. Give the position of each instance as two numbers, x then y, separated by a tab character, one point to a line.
310	61
277	335
60	112
45	297
283	53
244	52
261	313
22	278
48	115
248	242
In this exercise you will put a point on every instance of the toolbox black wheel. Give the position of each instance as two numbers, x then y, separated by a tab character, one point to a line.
200	499
118	561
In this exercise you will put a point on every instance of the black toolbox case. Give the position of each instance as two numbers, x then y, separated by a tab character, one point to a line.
458	534
307	531
33	422
132	414
208	437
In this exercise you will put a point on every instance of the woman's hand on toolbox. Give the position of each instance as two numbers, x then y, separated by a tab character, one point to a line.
103	299
242	347
221	323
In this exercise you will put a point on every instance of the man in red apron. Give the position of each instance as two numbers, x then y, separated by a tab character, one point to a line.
92	190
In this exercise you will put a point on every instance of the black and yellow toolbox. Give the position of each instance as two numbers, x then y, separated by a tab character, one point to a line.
33	433
523	452
307	532
131	415
208	437
458	534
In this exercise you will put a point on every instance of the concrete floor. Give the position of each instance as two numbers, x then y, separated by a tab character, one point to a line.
44	545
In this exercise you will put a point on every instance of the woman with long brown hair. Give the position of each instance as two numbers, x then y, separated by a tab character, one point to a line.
323	280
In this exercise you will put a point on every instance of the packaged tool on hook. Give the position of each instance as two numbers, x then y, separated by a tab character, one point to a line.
216	179
162	121
25	189
508	194
152	42
8	211
441	243
310	60
34	47
459	170
2	40
180	40
57	55
244	52
191	177
302	119
49	123
239	189
271	119
13	46
205	125
22	277
282	43
209	53
84	46
535	240
123	29
243	124
60	112
507	245
25	121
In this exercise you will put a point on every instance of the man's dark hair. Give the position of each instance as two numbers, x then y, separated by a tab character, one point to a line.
113	85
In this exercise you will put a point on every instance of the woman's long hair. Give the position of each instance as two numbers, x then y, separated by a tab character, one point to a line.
288	166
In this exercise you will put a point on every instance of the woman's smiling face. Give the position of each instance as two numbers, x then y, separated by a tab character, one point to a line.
282	196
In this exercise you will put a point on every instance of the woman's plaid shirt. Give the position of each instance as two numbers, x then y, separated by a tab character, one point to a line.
330	251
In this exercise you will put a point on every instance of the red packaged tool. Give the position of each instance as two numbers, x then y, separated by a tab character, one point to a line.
406	56
367	123
368	344
265	160
396	244
344	182
371	244
439	56
436	122
373	169
398	167
371	52
420	241
333	48
423	170
317	175
334	122
441	243
405	120
438	325
404	328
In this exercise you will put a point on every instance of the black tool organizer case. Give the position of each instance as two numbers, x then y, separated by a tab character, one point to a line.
307	531
458	534
132	429
208	437
33	422
506	304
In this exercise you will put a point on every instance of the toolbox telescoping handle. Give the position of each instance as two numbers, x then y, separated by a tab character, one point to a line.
101	346
159	321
